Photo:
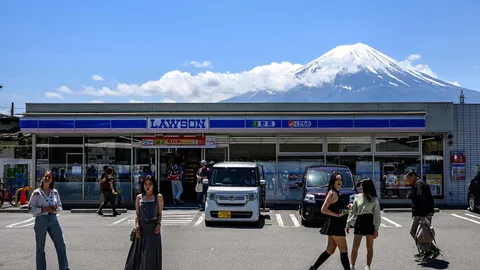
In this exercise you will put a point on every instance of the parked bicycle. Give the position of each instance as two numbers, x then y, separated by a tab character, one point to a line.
7	195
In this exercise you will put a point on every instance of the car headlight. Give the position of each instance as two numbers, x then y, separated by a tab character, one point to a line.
212	196
251	197
310	198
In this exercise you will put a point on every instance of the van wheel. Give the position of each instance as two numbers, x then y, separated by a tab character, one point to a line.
208	223
472	203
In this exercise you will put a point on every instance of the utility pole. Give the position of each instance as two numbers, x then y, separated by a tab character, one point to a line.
462	97
12	110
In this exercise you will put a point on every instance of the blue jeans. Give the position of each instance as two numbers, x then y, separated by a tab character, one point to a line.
49	223
200	198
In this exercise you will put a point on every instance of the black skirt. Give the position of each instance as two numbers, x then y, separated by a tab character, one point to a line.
364	225
146	252
334	226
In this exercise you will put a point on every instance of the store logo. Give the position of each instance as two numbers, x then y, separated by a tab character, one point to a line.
260	124
299	124
178	123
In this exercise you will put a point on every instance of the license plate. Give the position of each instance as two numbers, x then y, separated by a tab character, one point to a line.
224	214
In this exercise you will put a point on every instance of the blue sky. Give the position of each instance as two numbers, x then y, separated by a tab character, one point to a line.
50	50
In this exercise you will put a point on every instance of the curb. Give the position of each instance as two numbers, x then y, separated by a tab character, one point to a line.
94	211
403	210
13	210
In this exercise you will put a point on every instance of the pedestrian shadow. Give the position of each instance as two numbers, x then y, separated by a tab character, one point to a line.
242	225
436	264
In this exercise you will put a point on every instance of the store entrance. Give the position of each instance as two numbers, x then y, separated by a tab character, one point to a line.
190	159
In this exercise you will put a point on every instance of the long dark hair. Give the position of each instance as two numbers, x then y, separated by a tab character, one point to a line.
333	178
154	182
368	189
43	177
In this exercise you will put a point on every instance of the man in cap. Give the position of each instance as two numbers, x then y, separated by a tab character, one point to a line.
201	189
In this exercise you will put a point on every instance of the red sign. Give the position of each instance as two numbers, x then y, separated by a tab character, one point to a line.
458	158
173	141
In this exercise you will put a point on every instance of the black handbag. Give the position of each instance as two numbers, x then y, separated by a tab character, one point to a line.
133	234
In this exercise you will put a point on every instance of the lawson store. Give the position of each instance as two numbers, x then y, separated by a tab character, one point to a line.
380	141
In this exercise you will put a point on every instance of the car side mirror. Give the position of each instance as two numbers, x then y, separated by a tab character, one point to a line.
262	182
205	181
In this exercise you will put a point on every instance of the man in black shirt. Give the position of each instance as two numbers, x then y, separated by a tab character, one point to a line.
109	193
422	207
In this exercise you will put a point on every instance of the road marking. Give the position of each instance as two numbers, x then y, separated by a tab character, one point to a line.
26	225
385	226
392	222
279	220
295	220
120	220
14	224
474	216
200	220
474	221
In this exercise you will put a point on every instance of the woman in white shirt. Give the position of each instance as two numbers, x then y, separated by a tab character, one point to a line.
44	205
365	218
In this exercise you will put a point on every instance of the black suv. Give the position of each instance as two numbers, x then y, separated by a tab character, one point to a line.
315	184
474	194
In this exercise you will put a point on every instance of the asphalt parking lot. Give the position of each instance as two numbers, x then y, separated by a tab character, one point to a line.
281	242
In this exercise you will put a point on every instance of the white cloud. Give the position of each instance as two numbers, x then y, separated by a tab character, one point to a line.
168	100
64	89
97	101
475	67
5	112
408	63
97	77
203	64
136	101
53	95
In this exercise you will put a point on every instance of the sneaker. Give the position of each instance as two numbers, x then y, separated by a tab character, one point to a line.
99	213
352	267
367	268
419	255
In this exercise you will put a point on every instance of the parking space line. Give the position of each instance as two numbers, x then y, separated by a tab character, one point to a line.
392	222
121	220
279	220
470	215
385	226
295	220
26	225
471	220
14	224
200	220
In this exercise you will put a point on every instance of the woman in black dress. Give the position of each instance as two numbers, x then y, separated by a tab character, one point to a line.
334	227
146	250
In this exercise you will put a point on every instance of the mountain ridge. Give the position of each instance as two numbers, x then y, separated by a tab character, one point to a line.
359	73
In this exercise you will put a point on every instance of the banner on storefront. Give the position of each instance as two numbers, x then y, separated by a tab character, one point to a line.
179	142
458	165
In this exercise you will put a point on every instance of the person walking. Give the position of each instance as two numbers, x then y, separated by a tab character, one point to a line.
365	218
423	207
177	174
44	204
202	173
334	227
109	193
146	249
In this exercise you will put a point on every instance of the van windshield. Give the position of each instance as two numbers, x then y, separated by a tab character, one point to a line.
319	177
235	177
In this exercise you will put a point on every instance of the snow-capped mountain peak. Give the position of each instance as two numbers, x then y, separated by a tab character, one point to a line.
359	73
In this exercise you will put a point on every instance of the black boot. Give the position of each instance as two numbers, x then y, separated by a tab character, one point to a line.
344	260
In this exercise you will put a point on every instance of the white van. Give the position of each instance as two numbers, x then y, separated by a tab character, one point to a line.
234	192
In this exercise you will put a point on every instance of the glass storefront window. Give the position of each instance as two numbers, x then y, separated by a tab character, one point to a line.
145	164
66	165
108	151
257	149
397	144
349	144
299	143
360	166
390	172
59	140
290	173
432	150
216	155
16	159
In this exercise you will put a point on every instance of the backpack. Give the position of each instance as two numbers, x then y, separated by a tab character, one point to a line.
105	184
425	233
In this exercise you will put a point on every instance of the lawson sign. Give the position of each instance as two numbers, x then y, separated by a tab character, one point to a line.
178	123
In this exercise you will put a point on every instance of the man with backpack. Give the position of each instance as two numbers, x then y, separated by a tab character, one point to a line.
422	208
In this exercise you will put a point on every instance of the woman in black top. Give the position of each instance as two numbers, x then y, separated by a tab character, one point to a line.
334	227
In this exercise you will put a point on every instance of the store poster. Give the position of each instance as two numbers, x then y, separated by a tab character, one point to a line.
179	142
458	165
435	183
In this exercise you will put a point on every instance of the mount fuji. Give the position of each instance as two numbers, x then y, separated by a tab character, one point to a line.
359	73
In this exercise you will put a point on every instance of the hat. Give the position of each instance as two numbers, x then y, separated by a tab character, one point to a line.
203	162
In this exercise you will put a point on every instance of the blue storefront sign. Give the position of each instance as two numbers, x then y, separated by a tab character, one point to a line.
177	123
